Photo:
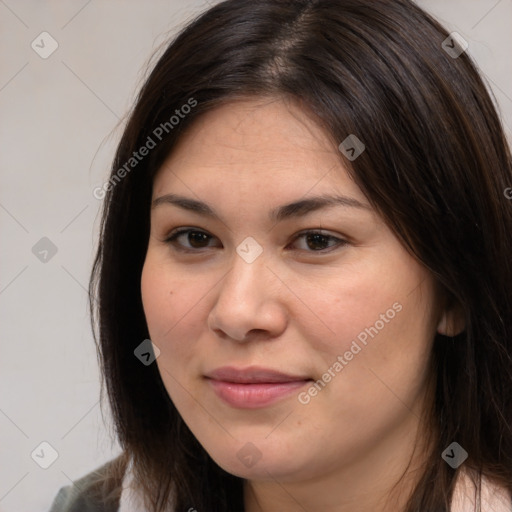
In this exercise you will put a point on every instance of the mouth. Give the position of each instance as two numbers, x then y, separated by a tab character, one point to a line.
253	387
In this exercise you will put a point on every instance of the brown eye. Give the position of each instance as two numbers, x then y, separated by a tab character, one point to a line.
185	239
198	239
319	242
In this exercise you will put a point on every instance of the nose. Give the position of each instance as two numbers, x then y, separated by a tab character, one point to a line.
249	303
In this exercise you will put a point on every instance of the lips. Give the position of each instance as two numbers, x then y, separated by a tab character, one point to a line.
253	387
252	375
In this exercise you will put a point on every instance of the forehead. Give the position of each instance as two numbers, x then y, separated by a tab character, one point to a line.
264	144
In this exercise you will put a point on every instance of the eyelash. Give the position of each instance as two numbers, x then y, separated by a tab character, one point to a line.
174	235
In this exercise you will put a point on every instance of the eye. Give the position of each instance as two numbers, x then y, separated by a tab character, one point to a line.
191	240
316	241
195	238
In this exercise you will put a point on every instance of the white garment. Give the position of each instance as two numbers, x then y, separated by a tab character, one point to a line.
494	499
130	500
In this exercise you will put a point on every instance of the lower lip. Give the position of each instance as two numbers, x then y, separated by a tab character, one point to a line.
253	396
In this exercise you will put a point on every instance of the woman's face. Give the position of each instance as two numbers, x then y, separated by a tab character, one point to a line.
288	355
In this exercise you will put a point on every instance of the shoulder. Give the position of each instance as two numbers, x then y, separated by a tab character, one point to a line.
95	492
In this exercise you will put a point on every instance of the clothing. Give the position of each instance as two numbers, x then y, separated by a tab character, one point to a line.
494	499
74	499
130	499
79	496
85	496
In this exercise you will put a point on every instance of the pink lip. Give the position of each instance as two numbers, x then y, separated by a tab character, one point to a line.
253	387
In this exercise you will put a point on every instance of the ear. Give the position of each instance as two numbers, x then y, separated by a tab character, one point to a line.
452	321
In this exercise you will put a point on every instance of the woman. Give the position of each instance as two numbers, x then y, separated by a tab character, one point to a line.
306	217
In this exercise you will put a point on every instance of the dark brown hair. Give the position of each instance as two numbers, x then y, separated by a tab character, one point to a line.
435	167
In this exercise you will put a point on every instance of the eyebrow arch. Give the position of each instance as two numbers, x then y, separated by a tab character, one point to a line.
298	208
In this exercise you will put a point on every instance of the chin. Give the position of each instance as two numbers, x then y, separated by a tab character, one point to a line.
261	461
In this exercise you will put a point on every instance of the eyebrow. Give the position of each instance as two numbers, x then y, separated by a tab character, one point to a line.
299	208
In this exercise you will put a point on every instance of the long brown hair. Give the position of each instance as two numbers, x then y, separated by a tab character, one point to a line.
435	167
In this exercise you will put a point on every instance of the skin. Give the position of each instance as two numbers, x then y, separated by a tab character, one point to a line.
293	309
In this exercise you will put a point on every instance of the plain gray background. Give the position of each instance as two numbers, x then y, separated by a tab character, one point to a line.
60	118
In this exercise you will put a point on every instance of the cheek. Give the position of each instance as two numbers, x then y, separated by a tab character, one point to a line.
384	342
381	323
156	300
342	306
173	310
380	299
174	314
